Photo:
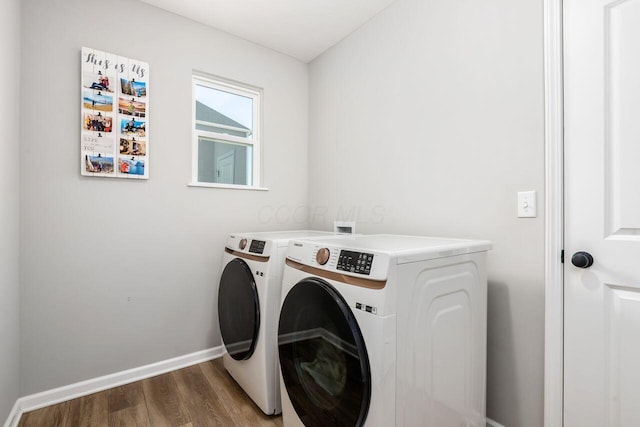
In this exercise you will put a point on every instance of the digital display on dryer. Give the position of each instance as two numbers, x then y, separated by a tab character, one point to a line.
355	262
257	246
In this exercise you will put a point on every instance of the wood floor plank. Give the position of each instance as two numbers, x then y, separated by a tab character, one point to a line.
125	396
164	405
127	406
200	399
202	396
242	409
89	411
50	416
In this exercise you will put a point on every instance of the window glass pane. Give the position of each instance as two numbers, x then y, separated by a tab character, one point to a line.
224	163
223	112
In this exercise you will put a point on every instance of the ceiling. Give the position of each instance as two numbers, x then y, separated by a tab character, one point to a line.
299	28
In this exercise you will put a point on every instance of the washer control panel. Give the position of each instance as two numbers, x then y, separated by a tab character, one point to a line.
336	256
355	262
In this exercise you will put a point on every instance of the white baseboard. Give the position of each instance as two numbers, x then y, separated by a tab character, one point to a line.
491	423
84	388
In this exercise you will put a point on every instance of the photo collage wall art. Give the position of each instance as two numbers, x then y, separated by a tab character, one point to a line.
115	116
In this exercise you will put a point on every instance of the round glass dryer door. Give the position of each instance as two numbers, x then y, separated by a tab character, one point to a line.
323	358
238	310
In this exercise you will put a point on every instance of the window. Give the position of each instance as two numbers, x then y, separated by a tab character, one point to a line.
226	134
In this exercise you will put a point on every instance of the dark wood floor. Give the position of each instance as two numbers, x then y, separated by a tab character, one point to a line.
198	396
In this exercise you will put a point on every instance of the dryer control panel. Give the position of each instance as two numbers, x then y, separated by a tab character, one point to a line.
257	246
246	245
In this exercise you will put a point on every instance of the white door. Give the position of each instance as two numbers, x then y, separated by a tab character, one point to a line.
225	165
602	212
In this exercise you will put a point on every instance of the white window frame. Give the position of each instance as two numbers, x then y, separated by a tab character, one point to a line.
254	140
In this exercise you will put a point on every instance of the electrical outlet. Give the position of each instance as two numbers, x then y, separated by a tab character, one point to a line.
344	227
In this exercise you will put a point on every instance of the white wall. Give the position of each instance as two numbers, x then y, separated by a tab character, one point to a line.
120	273
427	121
9	190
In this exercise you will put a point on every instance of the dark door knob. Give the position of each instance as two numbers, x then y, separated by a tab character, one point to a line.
582	259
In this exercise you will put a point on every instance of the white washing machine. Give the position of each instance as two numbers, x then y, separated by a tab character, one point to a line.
248	308
383	330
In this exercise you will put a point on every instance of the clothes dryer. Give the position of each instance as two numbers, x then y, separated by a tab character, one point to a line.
383	330
248	308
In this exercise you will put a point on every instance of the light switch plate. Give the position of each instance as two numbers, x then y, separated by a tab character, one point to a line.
527	206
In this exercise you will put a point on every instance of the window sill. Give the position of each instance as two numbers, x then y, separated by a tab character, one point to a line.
227	186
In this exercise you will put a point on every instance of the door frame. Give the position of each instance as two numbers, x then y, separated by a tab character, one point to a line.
554	215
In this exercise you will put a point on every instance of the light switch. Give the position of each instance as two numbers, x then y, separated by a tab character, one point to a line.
527	206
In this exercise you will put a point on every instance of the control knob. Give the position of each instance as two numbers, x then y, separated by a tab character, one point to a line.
323	256
243	243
